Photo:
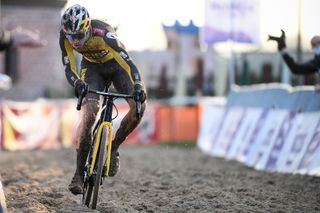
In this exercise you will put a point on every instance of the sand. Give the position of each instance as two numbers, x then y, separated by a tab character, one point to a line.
155	179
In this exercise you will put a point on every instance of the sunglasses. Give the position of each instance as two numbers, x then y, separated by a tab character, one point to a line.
76	36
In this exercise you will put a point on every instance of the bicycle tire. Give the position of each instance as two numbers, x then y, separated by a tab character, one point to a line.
100	164
88	182
87	192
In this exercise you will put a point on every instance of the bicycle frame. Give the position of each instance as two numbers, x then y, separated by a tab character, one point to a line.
98	165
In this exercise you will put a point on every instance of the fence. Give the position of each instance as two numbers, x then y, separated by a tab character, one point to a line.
268	127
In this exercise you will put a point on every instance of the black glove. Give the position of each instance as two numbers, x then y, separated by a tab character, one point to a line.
280	40
139	94
80	88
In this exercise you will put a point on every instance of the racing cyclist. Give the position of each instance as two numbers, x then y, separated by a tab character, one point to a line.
104	61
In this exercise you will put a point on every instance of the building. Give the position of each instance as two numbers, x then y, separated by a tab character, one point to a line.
36	72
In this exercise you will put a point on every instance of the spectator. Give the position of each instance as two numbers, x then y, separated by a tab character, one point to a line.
310	66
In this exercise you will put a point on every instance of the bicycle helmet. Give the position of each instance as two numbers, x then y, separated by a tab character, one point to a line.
75	19
75	23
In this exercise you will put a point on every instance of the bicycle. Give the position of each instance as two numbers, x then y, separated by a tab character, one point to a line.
98	161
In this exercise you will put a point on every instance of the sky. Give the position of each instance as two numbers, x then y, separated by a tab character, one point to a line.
140	21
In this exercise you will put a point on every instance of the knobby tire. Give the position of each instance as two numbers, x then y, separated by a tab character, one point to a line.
88	184
88	192
100	164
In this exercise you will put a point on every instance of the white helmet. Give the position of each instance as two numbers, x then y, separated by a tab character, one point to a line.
75	20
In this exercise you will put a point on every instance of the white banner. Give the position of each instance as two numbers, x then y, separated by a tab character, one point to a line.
271	140
227	132
210	124
260	150
297	142
236	20
244	137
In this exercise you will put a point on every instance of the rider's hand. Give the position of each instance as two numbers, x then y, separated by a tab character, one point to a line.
280	40
80	88
139	94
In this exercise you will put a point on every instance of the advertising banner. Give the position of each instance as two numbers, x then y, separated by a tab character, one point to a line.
228	131
30	125
297	142
312	151
236	20
280	141
209	127
246	132
259	152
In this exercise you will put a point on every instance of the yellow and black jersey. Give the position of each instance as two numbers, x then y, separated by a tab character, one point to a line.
102	46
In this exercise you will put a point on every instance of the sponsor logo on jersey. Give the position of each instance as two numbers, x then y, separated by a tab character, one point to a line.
136	76
66	60
98	31
123	55
98	54
111	35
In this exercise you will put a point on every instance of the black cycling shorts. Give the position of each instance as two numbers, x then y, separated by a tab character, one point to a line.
99	76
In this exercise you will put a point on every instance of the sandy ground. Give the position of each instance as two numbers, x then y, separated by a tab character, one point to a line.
155	179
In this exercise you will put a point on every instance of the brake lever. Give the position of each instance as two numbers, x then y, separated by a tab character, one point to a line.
138	109
79	103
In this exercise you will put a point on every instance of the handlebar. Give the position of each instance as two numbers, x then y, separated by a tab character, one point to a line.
111	95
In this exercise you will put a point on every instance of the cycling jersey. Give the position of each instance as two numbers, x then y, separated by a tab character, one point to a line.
101	47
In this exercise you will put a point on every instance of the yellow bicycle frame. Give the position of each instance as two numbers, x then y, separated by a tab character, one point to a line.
96	146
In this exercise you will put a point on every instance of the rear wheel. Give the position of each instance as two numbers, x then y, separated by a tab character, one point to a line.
99	167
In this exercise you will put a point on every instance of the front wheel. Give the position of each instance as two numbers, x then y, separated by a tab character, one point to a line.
87	192
88	182
100	166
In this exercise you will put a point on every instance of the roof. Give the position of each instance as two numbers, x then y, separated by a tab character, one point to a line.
191	28
32	3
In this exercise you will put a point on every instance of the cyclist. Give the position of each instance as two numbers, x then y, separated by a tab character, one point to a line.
105	61
310	66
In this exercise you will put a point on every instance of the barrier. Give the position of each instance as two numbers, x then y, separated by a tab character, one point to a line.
3	206
45	124
275	96
272	129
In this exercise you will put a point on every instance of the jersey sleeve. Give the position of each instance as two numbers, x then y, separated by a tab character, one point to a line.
120	54
68	60
308	67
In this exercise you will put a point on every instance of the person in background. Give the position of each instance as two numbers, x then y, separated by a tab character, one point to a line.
308	67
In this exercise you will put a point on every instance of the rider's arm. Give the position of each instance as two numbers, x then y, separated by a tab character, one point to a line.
68	60
303	68
122	57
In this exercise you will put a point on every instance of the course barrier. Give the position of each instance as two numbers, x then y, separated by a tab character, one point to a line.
52	124
269	128
3	206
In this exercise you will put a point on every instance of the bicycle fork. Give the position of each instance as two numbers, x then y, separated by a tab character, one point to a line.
108	127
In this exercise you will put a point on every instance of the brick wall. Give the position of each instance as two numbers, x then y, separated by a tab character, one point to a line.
39	69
